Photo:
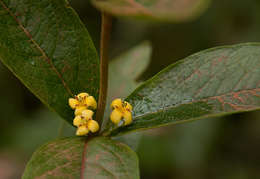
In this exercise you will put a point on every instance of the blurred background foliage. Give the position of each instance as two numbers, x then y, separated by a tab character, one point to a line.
212	148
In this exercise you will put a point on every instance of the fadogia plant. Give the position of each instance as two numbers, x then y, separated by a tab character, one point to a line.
44	43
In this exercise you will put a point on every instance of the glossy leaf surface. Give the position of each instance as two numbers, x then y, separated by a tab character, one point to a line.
160	10
75	158
214	82
47	47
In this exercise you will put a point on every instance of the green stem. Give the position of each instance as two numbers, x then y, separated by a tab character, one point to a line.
104	43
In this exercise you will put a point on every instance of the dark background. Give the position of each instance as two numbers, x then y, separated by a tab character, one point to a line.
226	148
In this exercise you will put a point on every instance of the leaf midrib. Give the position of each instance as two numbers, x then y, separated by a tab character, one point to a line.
84	158
46	58
194	101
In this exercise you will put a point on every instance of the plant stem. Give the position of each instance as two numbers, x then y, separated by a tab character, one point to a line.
104	43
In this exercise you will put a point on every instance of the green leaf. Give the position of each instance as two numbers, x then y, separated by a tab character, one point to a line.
214	82
47	47
159	10
75	158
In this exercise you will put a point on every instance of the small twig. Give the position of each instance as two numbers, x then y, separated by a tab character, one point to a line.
104	43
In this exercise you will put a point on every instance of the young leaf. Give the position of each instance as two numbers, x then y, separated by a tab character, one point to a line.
47	47
160	10
214	82
76	158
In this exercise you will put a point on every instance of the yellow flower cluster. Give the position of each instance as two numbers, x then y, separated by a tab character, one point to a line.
122	112
83	104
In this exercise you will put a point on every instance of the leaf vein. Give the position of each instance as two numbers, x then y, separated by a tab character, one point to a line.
117	156
47	59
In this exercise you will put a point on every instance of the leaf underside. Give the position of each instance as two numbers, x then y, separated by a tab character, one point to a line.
214	82
160	10
47	47
75	158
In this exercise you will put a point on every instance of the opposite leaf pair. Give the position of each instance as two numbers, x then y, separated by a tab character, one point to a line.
83	103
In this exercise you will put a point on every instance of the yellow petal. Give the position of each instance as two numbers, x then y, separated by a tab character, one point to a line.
82	96
79	110
91	102
93	126
87	114
82	130
116	116
116	104
127	118
128	106
77	121
73	103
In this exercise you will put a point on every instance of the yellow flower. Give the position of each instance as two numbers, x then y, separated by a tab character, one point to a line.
127	106
82	130
73	103
79	110
79	121
116	116
83	100
87	114
116	104
91	102
127	118
82	103
122	110
82	96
